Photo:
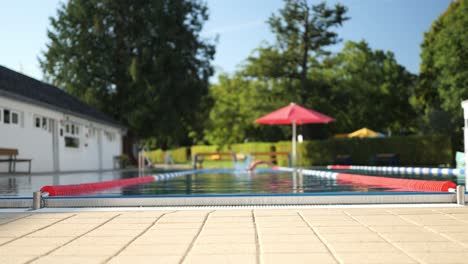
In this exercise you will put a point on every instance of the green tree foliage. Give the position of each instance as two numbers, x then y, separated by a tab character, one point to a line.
143	62
238	102
444	70
367	88
302	31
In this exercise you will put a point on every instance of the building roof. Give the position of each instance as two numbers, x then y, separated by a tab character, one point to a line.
23	88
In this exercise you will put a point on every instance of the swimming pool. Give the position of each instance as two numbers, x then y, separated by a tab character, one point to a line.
212	183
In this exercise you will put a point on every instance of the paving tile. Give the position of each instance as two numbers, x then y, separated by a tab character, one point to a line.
322	218
223	231
275	212
342	229
113	226
25	250
285	230
432	247
284	219
275	238
352	237
176	226
114	240
70	260
292	224
38	241
441	257
333	223
151	250
145	259
107	233
293	248
237	219
362	211
86	250
238	239
223	248
5	239
221	259
414	237
153	215
11	216
298	258
49	216
462	237
14	259
362	247
383	257
449	229
57	233
171	232
230	225
442	223
453	210
413	211
231	213
78	220
189	214
142	220
427	217
319	211
382	220
157	240
398	229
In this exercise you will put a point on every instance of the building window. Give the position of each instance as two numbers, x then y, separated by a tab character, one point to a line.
14	118
44	123
37	122
6	116
67	128
72	142
110	136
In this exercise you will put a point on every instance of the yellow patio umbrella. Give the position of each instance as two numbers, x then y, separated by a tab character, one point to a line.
364	133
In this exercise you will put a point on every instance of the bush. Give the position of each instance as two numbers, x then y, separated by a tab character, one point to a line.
412	150
179	155
428	151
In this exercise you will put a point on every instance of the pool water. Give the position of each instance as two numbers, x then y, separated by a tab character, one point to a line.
213	183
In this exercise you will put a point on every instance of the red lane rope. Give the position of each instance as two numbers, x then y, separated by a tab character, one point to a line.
77	189
340	167
386	182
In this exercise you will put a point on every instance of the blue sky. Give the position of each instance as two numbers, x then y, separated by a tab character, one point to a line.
395	25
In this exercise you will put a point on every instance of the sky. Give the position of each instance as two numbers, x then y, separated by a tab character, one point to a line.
240	26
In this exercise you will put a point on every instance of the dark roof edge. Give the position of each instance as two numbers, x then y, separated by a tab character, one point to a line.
65	111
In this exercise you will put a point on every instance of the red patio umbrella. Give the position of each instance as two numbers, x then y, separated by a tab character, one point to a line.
295	115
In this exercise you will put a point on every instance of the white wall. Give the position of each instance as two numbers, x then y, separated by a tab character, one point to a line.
36	143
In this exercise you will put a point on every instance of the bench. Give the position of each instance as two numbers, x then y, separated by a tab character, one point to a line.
389	159
12	159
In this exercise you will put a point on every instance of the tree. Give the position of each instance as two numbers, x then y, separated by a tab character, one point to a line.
238	102
444	71
143	62
367	88
302	32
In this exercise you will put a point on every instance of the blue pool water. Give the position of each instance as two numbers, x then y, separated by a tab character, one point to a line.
202	183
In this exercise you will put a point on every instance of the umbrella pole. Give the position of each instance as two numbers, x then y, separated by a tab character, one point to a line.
294	143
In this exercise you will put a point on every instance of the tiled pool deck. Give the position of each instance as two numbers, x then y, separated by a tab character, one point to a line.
315	235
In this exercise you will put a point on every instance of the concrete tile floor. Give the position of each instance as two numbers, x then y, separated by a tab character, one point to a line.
336	235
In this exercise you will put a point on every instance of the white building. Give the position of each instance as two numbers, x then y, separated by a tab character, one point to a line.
54	129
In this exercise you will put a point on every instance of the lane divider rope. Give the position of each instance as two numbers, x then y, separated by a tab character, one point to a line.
378	181
402	170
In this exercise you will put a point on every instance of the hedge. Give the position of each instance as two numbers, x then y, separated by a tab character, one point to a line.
431	150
